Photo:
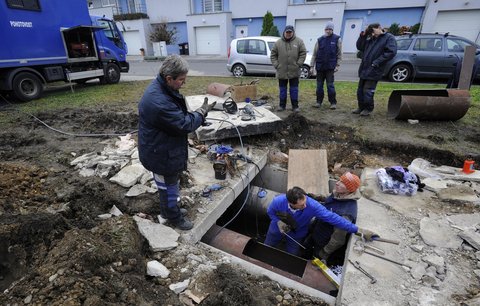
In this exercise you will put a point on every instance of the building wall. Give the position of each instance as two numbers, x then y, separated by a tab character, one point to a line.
402	16
257	8
168	11
331	10
383	4
434	7
144	29
255	25
223	20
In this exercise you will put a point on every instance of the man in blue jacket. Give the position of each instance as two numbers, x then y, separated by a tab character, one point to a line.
326	58
164	124
377	48
291	214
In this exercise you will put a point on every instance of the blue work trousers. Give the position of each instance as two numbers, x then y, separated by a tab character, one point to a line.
169	193
282	84
322	76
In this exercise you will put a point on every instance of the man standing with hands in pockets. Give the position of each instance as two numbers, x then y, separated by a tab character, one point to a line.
326	59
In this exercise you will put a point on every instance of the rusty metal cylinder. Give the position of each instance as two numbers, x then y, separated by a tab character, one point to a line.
429	104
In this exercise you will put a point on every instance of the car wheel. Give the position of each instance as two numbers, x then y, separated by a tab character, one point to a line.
304	72
238	70
400	73
27	86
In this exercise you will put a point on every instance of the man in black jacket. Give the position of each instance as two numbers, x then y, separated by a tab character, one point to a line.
377	48
164	124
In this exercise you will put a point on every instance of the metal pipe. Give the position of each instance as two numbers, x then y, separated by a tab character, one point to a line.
257	205
429	104
299	269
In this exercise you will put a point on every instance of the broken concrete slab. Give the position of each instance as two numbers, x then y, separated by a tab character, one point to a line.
464	221
128	176
262	120
472	237
439	233
159	237
139	189
435	261
460	194
434	184
453	173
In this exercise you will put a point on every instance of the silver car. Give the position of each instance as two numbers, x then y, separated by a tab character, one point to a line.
251	55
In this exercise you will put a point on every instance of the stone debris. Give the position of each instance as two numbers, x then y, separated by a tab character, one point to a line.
159	236
155	268
471	237
115	211
179	287
129	176
439	233
459	194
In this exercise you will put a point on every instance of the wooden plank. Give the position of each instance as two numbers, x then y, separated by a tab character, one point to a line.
308	169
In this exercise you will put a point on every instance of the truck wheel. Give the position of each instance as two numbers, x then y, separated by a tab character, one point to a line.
112	74
27	86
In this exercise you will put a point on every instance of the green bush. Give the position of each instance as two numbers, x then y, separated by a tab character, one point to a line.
267	24
274	32
394	29
415	28
130	16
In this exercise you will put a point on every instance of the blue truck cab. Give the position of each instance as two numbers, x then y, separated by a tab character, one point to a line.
48	41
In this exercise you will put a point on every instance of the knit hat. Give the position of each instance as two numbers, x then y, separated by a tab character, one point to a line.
289	28
329	25
351	181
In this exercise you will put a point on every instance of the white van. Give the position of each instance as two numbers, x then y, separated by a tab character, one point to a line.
252	55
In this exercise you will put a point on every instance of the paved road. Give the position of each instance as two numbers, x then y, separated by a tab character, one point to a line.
217	66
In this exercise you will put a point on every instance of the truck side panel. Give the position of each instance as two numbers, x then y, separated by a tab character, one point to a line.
32	37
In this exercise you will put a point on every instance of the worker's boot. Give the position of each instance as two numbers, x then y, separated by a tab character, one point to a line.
184	224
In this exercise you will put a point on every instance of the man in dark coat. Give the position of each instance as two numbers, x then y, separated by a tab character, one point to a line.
326	58
377	48
343	201
164	124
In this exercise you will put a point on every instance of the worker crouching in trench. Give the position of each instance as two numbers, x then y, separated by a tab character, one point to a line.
291	215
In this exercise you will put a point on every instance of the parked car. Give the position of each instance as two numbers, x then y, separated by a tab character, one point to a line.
251	55
426	55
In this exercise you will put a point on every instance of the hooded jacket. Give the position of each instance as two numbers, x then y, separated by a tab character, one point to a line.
164	124
376	53
288	56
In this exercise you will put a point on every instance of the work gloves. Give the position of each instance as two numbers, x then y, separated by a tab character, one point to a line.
366	234
287	219
205	108
283	227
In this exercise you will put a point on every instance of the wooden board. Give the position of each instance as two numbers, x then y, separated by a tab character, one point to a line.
308	169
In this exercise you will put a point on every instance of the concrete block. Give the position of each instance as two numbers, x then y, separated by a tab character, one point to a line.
472	237
128	176
159	237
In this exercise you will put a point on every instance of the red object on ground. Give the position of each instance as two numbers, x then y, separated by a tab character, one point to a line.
468	166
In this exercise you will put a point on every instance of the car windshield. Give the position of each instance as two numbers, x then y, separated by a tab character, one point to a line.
403	43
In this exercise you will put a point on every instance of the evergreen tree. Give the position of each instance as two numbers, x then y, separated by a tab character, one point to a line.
267	23
274	31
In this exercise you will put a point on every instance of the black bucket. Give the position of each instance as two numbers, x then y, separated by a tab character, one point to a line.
220	168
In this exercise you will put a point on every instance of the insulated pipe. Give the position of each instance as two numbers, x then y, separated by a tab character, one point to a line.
299	269
429	104
257	205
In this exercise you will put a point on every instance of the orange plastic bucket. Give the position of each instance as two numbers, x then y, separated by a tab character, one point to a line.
468	166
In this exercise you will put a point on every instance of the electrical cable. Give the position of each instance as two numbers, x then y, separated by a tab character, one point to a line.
247	176
67	133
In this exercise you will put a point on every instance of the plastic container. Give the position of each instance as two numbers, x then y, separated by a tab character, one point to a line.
468	166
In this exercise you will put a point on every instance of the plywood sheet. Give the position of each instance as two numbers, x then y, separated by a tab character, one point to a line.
308	169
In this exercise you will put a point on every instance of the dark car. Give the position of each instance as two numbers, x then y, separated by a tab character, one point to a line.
426	56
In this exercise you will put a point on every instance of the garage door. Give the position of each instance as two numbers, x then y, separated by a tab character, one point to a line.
208	40
132	38
462	23
310	30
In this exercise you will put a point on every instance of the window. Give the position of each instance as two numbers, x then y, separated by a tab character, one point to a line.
456	45
31	5
251	46
210	6
404	43
109	3
428	44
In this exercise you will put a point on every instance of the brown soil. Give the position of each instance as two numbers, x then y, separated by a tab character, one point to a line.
55	251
